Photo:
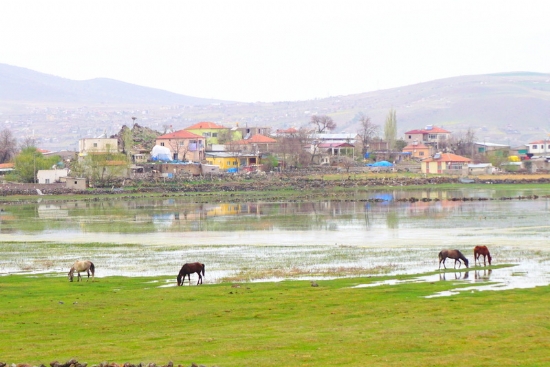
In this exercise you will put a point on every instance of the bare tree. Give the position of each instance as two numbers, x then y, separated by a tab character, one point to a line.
179	147
8	146
323	123
462	143
367	131
28	142
290	147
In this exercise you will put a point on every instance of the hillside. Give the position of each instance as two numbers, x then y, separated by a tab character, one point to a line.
31	87
507	108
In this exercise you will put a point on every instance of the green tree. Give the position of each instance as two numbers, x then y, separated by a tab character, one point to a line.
127	141
29	161
101	169
400	144
390	129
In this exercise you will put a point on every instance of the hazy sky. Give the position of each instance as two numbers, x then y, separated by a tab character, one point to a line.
274	50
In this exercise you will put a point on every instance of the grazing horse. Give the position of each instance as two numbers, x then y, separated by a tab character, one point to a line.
482	251
188	269
453	254
79	266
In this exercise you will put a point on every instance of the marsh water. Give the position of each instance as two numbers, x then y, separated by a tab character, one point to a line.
374	233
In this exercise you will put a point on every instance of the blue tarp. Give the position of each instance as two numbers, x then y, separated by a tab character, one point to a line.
380	164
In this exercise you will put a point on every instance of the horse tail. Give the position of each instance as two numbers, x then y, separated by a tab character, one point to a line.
92	268
202	265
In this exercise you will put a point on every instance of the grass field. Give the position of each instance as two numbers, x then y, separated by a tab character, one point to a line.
45	318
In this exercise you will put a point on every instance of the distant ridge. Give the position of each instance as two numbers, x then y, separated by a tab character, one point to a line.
506	108
25	85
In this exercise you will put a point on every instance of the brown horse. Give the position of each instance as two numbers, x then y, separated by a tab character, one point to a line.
79	266
482	251
188	269
453	254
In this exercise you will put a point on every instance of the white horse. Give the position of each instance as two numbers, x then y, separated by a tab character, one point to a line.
79	266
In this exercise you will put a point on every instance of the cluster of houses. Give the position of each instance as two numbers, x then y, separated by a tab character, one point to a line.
207	147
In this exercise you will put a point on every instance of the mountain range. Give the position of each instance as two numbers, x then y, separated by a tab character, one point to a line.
506	108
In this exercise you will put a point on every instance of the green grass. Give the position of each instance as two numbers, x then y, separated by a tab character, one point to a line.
45	318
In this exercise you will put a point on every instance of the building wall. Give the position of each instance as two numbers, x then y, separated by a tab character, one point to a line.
76	183
224	163
540	148
98	145
51	176
184	149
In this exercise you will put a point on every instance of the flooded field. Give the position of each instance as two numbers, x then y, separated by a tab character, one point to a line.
378	234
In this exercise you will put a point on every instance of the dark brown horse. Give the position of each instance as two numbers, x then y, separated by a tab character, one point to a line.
188	269
453	254
482	251
79	266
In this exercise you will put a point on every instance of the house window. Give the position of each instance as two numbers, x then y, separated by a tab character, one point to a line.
161	144
214	135
410	137
432	136
47	180
95	145
535	146
421	154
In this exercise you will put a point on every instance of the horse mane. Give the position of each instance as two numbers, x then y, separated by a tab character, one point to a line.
462	257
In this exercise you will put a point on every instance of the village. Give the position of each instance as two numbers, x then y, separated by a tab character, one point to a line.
208	148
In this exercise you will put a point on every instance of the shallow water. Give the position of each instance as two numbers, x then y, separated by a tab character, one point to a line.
274	241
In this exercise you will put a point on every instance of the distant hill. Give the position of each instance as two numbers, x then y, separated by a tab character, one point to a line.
508	108
24	85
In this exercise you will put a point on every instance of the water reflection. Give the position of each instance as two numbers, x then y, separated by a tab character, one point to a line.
455	275
483	275
385	212
368	232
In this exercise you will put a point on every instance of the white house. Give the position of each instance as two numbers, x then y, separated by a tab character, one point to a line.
539	147
48	176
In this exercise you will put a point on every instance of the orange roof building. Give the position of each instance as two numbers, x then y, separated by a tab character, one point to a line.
445	163
418	150
431	135
183	145
256	143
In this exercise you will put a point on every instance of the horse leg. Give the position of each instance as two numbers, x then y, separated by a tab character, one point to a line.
200	278
78	278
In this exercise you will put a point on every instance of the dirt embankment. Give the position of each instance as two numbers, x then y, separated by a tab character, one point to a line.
266	182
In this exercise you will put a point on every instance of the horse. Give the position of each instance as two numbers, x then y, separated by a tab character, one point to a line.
188	269
482	251
82	265
453	254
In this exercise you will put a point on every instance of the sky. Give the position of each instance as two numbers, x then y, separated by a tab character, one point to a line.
274	50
